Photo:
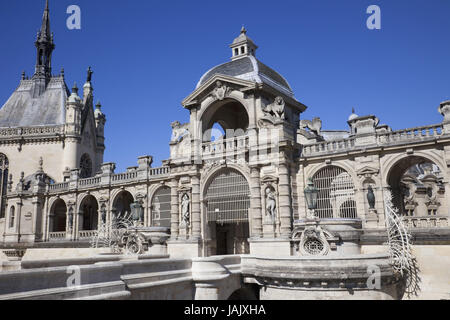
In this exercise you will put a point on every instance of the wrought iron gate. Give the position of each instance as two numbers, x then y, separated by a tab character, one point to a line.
228	198
336	197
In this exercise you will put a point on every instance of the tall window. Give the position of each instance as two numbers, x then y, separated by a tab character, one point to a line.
4	165
12	217
161	206
85	166
336	197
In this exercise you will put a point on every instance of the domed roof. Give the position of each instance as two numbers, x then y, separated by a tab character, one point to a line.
353	116
245	66
251	69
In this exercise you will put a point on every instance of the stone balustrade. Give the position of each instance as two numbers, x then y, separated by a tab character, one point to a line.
426	222
89	182
329	147
124	177
57	235
86	234
225	146
404	136
131	176
58	187
410	135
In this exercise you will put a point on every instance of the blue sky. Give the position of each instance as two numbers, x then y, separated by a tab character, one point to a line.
149	55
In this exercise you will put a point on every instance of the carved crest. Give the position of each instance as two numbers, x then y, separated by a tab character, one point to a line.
221	91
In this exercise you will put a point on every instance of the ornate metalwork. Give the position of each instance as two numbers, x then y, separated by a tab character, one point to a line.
336	197
228	198
399	241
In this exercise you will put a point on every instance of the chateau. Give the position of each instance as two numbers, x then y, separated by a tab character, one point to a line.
254	202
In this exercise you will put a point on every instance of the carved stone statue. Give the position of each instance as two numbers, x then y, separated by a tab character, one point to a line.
276	109
89	74
315	126
179	131
371	197
271	202
185	204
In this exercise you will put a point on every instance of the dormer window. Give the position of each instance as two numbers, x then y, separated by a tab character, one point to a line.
236	52
242	50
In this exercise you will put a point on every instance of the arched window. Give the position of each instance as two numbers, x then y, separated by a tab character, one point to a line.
161	205
12	216
336	197
85	166
4	166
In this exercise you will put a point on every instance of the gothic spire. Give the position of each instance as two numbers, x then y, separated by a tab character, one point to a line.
44	45
45	34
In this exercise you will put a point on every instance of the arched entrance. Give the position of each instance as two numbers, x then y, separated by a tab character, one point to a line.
89	214
224	120
417	187
58	216
122	204
227	203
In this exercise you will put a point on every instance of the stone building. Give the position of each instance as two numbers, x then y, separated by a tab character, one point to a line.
236	178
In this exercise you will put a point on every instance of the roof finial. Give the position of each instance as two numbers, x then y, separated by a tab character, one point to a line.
75	88
23	75
353	110
98	105
243	30
46	5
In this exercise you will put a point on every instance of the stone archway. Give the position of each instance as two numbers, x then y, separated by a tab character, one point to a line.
58	216
227	203
122	204
230	115
416	183
88	214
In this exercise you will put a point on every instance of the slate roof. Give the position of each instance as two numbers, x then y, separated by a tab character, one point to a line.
25	109
249	68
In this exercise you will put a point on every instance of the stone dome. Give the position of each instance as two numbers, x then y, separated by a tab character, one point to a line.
251	69
245	66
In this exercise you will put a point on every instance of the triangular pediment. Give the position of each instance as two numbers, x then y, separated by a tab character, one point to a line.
367	171
209	86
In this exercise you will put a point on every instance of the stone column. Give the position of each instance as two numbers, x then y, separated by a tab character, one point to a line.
285	201
196	212
174	225
255	202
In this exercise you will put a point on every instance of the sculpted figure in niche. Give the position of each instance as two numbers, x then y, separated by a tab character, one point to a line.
371	197
271	202
185	203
